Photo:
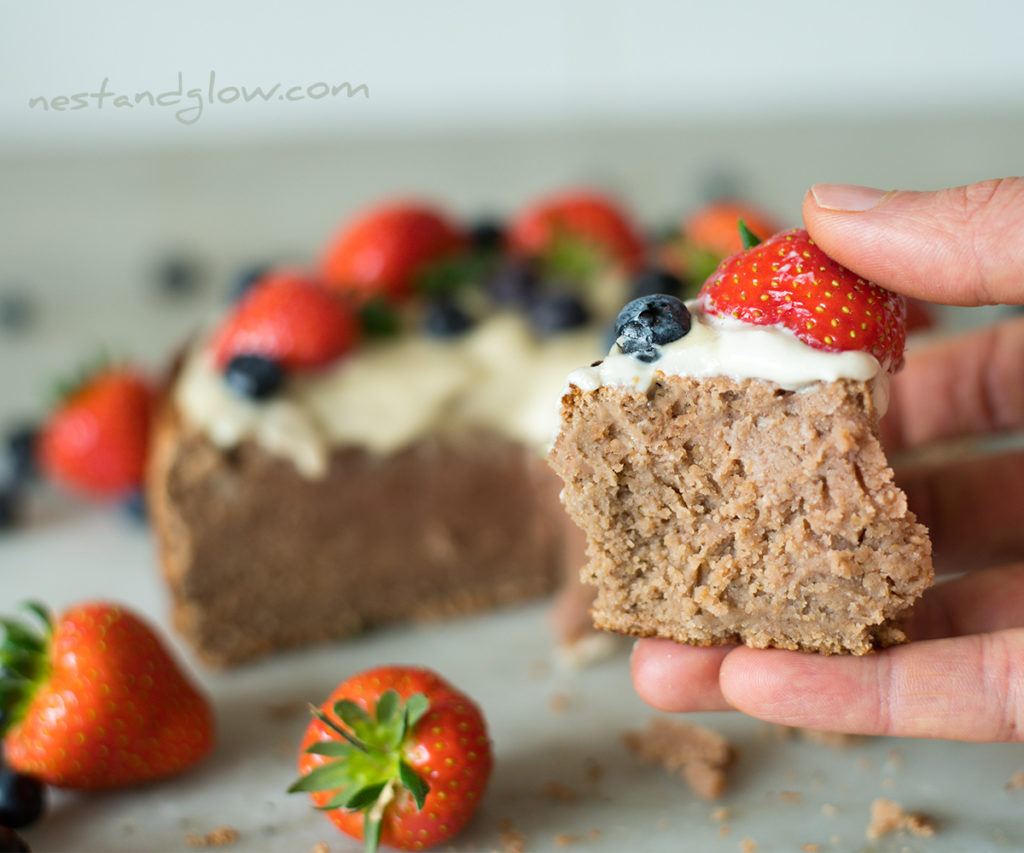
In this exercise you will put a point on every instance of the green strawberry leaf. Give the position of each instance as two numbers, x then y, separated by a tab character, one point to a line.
334	727
379	320
415	707
749	238
323	778
365	797
351	714
416	784
339	799
387	707
331	748
21	637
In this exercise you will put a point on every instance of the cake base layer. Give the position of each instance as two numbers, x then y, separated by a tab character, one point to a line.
259	558
720	511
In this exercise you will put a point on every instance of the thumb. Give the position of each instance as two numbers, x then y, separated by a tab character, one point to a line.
960	246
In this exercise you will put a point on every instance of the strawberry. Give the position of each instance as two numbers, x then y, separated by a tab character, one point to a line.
712	227
575	223
396	755
290	318
95	701
787	280
95	441
384	251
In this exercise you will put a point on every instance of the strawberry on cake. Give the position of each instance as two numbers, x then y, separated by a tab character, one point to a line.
724	461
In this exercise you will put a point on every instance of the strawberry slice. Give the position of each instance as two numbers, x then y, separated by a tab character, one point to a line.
789	281
290	318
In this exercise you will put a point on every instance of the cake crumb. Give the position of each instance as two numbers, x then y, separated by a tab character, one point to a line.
721	814
560	702
748	845
724	830
829	810
811	848
662	824
595	834
512	841
564	839
699	755
888	816
594	771
894	758
793	798
559	792
1016	782
223	836
320	847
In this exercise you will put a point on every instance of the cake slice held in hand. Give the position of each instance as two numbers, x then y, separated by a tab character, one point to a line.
724	461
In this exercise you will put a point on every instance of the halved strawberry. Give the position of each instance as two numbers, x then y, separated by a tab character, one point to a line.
385	249
580	228
288	317
788	281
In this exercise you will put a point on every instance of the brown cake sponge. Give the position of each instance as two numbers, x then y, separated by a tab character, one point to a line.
721	511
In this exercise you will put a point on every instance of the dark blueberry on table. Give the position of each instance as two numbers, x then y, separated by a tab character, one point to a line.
648	322
652	281
20	448
557	311
11	842
10	506
22	799
514	282
253	376
246	278
487	234
445	319
17	310
179	275
135	507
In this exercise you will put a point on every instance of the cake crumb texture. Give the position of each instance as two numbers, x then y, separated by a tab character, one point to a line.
888	816
699	755
720	511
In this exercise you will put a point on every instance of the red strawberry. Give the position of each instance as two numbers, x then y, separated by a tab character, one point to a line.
97	702
290	318
398	755
95	441
384	250
787	280
577	220
712	228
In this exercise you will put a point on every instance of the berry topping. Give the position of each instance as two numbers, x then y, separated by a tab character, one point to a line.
585	228
136	507
652	281
557	311
487	235
253	376
96	440
397	756
22	798
94	700
648	322
444	319
290	318
21	453
514	282
712	228
387	248
788	281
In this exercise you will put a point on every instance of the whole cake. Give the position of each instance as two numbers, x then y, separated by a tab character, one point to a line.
362	442
724	463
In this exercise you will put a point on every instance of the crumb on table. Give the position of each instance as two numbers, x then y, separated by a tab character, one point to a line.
699	755
888	816
1016	782
220	837
748	845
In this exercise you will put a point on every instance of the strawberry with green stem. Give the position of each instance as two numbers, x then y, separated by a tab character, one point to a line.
94	700
398	756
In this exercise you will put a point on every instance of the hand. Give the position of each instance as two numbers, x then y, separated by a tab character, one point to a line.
963	677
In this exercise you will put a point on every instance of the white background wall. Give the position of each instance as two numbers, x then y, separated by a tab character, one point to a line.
471	63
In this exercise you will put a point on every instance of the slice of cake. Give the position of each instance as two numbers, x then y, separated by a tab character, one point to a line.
363	443
724	462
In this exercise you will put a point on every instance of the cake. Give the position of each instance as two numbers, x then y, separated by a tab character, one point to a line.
724	462
362	442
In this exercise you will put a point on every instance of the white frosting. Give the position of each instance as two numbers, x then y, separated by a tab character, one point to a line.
717	346
498	377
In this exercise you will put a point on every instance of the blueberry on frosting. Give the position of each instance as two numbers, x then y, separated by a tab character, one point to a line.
648	322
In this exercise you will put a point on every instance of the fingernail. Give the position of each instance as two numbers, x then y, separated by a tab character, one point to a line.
847	198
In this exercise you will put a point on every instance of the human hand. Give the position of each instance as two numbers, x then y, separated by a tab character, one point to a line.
963	677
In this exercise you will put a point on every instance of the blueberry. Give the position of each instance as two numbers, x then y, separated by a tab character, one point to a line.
444	319
20	447
254	376
10	506
487	234
557	311
652	281
648	322
22	799
17	310
246	278
515	282
178	275
135	507
11	842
